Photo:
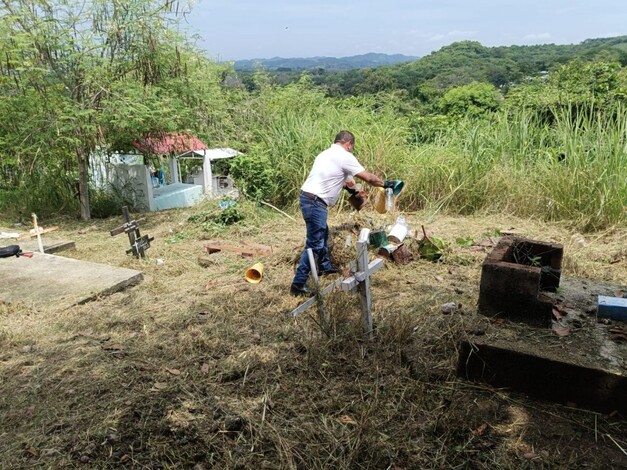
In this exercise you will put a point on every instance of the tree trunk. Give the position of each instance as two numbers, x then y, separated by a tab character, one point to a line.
83	184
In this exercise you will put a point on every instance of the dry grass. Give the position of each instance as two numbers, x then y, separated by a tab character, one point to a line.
195	368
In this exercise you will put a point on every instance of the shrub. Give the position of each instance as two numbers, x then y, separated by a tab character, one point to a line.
473	99
254	175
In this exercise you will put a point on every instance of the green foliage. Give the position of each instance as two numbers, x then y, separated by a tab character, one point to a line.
570	170
473	99
223	218
176	238
428	129
464	62
106	203
427	96
226	212
553	148
576	86
432	248
464	241
255	175
376	81
493	232
78	75
47	190
196	218
453	65
229	216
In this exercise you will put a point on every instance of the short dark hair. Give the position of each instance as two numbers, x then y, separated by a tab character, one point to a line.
344	137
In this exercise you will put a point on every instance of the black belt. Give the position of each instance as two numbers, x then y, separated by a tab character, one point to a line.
313	197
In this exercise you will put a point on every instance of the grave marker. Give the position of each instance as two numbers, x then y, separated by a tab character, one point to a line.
139	243
360	280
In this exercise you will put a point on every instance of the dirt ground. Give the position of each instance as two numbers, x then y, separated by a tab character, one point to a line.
196	368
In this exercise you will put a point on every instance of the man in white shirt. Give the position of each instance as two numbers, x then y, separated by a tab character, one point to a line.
320	191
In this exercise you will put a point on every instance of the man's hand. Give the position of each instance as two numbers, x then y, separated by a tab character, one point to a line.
352	190
370	178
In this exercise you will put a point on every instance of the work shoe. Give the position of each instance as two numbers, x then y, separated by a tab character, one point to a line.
328	272
297	290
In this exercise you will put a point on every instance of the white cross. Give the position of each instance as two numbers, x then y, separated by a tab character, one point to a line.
360	280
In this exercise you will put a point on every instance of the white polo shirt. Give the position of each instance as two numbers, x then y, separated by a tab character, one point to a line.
329	171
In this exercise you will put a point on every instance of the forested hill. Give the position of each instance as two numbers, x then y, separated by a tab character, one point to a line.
468	61
328	63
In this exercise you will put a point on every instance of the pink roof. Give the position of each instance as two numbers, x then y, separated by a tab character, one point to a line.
168	143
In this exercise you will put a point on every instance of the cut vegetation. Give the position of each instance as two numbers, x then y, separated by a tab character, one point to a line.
196	368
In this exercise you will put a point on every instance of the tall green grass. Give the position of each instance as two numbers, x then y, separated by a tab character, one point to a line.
572	169
293	134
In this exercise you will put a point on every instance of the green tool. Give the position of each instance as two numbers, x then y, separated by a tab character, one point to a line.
395	185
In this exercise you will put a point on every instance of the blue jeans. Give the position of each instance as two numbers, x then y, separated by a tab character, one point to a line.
315	215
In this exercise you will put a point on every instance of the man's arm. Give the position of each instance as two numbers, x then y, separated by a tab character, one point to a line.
370	178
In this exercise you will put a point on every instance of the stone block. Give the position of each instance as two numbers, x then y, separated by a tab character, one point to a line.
513	277
561	380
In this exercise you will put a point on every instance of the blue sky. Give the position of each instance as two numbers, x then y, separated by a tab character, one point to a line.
248	29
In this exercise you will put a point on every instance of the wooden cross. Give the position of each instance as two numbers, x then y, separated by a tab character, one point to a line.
139	243
359	280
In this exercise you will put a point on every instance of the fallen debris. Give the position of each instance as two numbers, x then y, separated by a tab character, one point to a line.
9	234
278	210
431	247
398	254
255	249
450	307
618	334
560	330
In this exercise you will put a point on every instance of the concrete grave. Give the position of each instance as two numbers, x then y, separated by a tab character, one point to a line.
51	246
515	277
543	341
49	280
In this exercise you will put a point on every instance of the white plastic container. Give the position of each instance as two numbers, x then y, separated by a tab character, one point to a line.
389	200
399	230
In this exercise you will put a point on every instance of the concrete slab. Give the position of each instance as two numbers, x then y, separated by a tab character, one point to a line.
50	280
585	368
51	246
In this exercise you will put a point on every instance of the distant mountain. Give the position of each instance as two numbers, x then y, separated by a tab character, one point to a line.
467	61
279	64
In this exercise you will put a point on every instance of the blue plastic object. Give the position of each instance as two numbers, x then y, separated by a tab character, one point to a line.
612	307
225	204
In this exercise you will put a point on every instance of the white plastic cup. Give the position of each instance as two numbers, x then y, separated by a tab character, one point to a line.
399	231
